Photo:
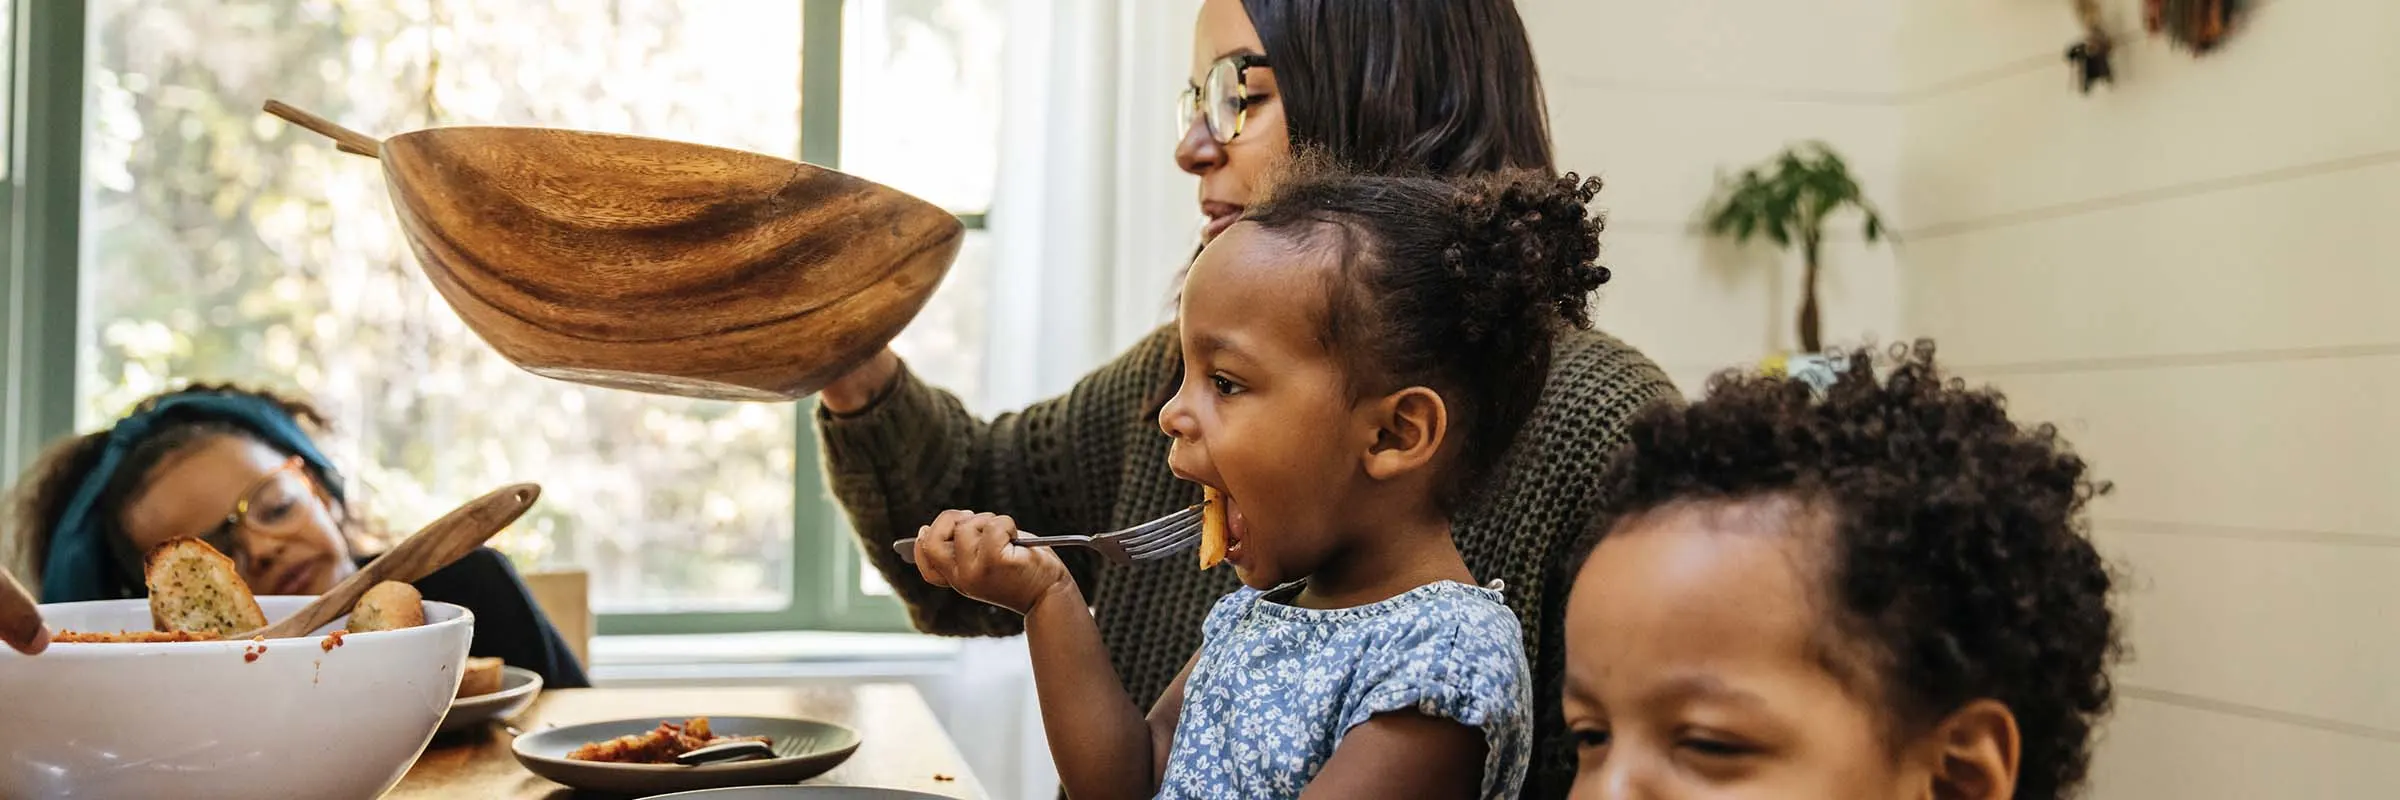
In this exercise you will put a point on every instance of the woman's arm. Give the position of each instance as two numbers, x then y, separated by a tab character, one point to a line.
1403	754
915	451
855	390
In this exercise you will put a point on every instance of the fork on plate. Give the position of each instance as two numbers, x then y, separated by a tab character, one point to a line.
1149	541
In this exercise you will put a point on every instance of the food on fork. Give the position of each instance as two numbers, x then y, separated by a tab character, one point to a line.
1212	529
657	746
482	676
195	589
389	606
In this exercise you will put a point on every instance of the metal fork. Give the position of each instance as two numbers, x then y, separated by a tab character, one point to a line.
1149	541
733	751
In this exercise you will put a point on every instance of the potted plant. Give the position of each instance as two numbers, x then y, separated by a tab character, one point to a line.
2198	25
1788	199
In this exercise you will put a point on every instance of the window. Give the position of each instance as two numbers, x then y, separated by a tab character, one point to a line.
945	57
12	448
222	244
37	240
8	38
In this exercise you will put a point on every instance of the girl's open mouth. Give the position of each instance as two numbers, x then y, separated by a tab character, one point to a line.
1235	529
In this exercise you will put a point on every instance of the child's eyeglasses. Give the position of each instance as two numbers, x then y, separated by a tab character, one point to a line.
273	505
1223	102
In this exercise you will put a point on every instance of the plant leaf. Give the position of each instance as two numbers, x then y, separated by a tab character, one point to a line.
1788	197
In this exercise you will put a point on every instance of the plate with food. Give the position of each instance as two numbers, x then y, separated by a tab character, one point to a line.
648	755
489	690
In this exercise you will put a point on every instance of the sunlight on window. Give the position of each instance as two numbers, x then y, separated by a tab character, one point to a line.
224	245
871	582
943	56
226	249
942	144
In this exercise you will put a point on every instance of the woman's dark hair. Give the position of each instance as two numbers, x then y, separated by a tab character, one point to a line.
1957	566
41	496
1459	285
1440	86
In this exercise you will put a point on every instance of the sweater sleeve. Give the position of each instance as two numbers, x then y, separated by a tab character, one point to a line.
1053	466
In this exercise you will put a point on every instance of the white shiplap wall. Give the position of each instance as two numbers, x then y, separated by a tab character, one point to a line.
1655	97
2195	273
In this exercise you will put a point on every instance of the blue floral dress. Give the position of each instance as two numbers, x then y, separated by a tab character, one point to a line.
1277	686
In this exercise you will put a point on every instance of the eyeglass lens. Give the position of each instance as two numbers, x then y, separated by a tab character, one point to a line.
276	505
1218	101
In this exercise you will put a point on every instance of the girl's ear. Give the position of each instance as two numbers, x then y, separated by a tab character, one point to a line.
1976	753
1409	427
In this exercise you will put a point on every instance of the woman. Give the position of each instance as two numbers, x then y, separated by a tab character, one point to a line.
1446	86
239	470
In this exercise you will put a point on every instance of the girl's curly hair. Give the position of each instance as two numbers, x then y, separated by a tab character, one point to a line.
1459	284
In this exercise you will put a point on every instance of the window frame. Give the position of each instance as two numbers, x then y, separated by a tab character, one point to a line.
41	269
41	200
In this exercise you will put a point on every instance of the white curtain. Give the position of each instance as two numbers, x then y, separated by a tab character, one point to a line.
1090	224
1091	219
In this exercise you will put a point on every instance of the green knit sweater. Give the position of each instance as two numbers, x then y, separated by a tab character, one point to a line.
1095	460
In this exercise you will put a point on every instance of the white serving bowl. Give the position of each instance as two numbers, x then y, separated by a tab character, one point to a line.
203	720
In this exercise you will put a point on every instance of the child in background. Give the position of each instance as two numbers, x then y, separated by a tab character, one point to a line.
239	469
1882	592
1358	352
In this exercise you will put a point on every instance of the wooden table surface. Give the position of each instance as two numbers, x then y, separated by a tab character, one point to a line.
902	745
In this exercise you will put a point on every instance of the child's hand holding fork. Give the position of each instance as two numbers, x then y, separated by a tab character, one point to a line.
971	553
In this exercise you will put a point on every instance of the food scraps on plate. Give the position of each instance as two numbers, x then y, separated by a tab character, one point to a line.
658	745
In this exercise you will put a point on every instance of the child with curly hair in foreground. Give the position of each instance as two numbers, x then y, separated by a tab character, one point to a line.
1880	590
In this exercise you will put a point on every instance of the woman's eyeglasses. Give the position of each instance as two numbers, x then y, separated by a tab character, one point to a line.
273	505
1223	101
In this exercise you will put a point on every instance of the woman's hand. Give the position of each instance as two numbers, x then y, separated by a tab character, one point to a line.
971	552
859	388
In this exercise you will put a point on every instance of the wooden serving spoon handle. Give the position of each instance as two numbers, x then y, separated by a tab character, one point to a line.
20	615
344	139
446	540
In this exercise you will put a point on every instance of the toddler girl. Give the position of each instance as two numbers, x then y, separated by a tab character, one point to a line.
1358	351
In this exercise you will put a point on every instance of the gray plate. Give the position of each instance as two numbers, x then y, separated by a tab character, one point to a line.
804	748
803	793
518	687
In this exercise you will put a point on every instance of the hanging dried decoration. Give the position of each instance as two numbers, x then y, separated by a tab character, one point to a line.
2195	25
2090	54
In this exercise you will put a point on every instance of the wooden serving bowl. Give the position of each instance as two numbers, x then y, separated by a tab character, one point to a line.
659	266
